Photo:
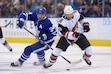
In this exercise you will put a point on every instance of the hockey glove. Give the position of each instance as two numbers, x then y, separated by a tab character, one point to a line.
20	23
72	36
43	37
76	35
86	27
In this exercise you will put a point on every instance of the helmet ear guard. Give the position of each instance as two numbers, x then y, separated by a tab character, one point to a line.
68	9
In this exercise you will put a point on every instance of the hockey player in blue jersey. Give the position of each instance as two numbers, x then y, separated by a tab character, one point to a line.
45	32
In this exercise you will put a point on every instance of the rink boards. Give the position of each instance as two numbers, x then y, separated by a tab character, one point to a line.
100	33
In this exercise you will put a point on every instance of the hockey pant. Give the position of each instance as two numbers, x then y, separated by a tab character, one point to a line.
38	48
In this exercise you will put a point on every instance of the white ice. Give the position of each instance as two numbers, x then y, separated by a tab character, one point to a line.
101	61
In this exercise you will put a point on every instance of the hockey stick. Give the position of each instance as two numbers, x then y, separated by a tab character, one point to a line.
74	62
5	25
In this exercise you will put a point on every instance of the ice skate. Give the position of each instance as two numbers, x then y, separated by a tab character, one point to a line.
8	46
16	64
38	63
87	60
47	65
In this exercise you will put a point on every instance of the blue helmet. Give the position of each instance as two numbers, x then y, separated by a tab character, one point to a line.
41	10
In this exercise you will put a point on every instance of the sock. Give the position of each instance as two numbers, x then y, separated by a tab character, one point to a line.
53	58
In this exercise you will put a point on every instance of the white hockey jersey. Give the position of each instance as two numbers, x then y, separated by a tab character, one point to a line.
66	26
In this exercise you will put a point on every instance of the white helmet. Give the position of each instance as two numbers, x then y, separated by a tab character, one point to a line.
68	9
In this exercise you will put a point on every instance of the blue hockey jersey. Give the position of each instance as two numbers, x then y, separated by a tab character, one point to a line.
43	27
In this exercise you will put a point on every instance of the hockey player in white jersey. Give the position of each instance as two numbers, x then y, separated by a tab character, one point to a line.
4	41
71	26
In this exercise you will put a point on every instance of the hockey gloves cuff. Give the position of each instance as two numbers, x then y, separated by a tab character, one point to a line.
86	27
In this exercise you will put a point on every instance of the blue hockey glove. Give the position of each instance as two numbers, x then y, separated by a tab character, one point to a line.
86	27
20	24
43	37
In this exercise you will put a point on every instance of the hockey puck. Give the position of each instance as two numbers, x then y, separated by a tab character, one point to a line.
67	69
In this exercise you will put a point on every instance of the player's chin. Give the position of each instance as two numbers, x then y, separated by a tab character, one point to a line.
40	18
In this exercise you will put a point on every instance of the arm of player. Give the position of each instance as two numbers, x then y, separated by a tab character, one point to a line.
68	34
84	23
72	36
23	18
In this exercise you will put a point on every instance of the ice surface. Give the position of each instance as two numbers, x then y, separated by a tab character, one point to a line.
101	61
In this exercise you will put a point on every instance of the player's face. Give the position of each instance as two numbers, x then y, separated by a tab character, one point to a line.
40	16
69	16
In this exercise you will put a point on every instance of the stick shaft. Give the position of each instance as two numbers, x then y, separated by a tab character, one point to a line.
5	25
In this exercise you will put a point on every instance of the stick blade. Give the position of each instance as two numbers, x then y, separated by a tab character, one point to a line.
77	61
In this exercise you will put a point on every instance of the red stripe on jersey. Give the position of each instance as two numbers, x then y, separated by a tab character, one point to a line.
75	27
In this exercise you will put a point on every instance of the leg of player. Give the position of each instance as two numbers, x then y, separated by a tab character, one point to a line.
56	52
36	48
25	55
62	45
40	51
4	42
41	58
87	54
84	44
